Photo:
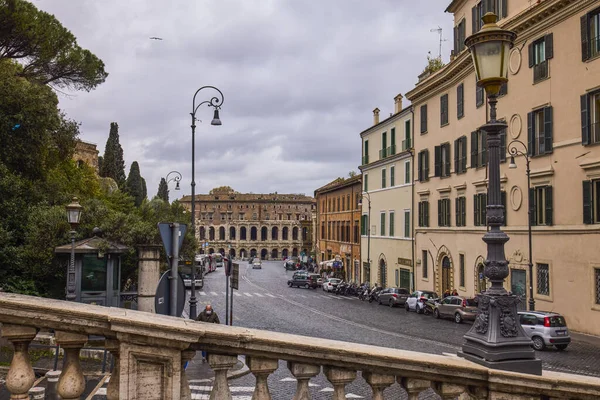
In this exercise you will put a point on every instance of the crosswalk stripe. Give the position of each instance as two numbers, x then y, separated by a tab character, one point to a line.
270	295
258	294
248	294
303	296
225	293
214	293
237	294
202	293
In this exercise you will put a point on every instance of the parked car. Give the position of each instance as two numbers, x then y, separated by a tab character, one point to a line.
304	279
393	296
416	301
331	284
545	329
457	307
257	264
320	282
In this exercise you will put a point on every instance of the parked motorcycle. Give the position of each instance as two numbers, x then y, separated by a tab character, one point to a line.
374	295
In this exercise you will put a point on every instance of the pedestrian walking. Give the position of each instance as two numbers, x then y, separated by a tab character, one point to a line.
211	317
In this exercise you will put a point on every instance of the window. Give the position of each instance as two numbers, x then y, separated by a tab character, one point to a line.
392	218
498	7
479	97
540	52
461	274
476	13
383	151
541	200
424	213
366	183
383	178
423	170
591	202
406	144
460	205
442	160
338	207
597	284
590	35
479	209
382	220
543	279
424	118
323	230
364	224
590	118
366	153
459	37
460	155
424	260
407	172
392	176
444	110
460	101
444	212
392	148
407	224
478	149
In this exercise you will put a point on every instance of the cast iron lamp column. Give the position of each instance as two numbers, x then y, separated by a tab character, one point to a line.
366	194
496	339
73	216
216	103
512	149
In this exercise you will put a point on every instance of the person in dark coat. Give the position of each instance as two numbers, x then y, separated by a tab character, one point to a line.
208	315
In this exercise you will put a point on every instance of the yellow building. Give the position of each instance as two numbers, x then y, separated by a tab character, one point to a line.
552	104
387	170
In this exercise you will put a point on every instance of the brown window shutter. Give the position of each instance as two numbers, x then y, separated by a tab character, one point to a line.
531	55
585	38
549	43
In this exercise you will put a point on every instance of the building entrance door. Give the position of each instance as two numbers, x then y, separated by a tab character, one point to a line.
405	279
518	284
382	273
446	284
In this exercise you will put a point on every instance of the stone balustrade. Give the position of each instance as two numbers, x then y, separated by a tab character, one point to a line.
150	350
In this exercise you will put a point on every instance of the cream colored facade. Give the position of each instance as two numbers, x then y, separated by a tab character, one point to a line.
555	116
387	176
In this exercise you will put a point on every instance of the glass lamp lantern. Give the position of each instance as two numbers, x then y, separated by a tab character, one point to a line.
74	212
490	51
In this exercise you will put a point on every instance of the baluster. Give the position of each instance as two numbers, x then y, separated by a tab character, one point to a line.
303	373
220	364
71	384
52	379
378	383
261	368
414	387
186	356
20	375
449	391
112	390
339	378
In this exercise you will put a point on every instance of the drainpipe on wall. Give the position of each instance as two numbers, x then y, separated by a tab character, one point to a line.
412	200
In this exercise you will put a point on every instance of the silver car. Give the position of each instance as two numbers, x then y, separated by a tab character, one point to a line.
545	329
393	296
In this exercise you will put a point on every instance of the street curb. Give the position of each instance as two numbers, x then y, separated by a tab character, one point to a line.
240	372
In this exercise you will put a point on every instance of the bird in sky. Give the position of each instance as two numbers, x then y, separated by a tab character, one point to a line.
155	38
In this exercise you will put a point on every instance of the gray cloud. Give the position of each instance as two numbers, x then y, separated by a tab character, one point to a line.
300	79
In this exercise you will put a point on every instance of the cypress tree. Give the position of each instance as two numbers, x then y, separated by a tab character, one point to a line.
144	189
113	164
163	190
134	185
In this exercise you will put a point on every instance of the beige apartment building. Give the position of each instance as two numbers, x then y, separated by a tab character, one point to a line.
387	176
552	104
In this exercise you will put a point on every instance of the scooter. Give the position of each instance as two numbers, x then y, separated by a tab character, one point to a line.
374	295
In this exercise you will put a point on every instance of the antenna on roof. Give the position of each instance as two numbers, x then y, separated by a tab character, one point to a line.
439	31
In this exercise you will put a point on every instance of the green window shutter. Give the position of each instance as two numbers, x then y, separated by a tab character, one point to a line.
407	224
392	176
426	172
549	42
587	203
548	205
366	150
438	161
548	130
383	178
446	148
427	213
393	137
464	211
420	215
407	134
474	17
531	50
474	146
448	213
366	183
475	210
532	207
440	205
585	41
504	8
457	211
460	109
420	166
456	160
383	140
392	217
382	224
424	118
407	172
463	160
530	134
503	201
585	120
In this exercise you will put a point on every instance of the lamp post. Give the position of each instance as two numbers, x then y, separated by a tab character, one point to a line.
368	197
514	151
73	216
176	178
215	102
496	339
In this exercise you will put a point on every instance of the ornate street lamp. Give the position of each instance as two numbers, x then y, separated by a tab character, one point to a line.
496	339
73	216
176	178
514	151
215	102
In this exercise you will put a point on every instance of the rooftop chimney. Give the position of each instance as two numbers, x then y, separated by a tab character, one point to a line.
376	116
398	103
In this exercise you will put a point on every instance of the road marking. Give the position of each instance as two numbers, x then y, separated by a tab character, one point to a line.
326	390
202	293
333	297
301	295
237	294
258	294
248	294
214	293
288	380
353	396
270	295
225	293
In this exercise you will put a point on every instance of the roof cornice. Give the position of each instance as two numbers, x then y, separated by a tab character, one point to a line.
388	120
357	179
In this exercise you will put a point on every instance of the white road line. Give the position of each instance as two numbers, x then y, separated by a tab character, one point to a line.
270	295
301	295
325	297
258	295
214	293
248	294
224	293
237	294
333	297
202	293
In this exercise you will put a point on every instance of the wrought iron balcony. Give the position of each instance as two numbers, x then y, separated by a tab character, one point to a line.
365	160
540	71
383	153
150	350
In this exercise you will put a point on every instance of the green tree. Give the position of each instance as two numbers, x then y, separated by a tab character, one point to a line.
144	189
113	164
163	190
134	185
48	52
433	64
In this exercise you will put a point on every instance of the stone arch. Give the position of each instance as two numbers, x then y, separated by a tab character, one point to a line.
211	251
80	163
222	251
284	253
253	233
295	252
480	279
222	233
232	253
382	278
295	233
211	233
243	253
285	233
264	234
202	233
243	235
444	276
263	254
274	254
232	233
304	234
274	233
252	253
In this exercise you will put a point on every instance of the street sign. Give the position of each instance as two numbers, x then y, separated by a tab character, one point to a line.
167	236
162	304
235	274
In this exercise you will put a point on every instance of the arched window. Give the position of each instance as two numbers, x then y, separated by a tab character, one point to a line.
202	233
222	233
382	273
263	254
232	233
294	252
274	254
295	233
253	233
211	233
284	233
243	233
264	233
275	233
304	234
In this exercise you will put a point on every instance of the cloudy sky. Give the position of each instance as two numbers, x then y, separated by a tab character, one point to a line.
300	79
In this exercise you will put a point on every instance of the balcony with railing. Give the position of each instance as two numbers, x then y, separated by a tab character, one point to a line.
383	153
150	350
365	160
540	71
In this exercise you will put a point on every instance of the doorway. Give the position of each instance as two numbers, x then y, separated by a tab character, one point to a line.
446	270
